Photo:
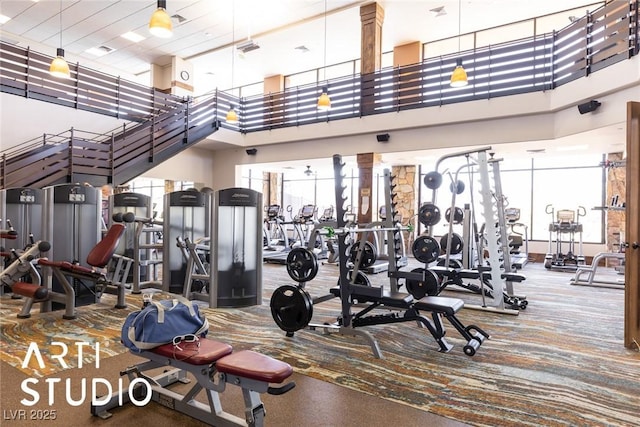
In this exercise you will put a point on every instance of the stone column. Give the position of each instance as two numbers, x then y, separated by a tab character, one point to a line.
406	191
366	162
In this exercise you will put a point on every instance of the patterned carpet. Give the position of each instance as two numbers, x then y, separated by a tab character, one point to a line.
561	362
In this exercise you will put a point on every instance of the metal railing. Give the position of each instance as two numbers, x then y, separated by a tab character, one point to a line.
543	62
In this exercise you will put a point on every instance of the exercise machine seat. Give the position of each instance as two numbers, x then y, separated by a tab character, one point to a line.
102	253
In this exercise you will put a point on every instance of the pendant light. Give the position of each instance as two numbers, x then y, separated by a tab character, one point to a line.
59	67
232	115
324	102
459	75
160	23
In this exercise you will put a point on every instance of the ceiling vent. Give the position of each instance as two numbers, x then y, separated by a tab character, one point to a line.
178	19
247	46
302	49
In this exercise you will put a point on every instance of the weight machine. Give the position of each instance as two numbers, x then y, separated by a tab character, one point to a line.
564	222
495	282
292	306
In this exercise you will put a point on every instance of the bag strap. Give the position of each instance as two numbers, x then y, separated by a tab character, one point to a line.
185	301
160	308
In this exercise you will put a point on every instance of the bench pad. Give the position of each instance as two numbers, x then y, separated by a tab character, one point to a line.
255	366
208	352
448	306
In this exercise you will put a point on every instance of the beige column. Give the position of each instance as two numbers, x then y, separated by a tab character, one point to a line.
371	18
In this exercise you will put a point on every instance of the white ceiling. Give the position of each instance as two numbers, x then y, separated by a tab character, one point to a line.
207	35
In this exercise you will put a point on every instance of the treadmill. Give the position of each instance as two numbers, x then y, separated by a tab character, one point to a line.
300	222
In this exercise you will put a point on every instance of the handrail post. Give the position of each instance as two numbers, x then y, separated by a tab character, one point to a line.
70	150
112	157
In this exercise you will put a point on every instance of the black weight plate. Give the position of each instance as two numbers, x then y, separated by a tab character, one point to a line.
291	308
458	215
302	264
433	180
429	214
361	279
421	288
457	187
425	249
369	254
456	243
453	263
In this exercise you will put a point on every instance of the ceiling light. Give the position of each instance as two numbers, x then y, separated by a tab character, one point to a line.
232	116
324	102
3	19
459	75
160	22
59	67
100	50
134	37
438	11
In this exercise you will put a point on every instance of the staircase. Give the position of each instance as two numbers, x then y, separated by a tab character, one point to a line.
114	158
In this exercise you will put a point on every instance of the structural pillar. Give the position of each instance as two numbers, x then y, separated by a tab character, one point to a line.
632	226
371	18
366	163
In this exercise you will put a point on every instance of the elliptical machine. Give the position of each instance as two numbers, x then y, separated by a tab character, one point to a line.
565	222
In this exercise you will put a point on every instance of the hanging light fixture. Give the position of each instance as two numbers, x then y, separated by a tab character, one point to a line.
459	75
160	23
232	115
59	67
324	102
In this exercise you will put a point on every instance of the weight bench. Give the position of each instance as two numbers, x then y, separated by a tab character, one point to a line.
112	282
214	365
437	306
455	276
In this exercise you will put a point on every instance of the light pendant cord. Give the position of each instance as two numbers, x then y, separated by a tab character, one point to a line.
60	24
459	23
324	70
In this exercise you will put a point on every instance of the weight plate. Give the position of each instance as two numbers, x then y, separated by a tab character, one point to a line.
433	180
425	249
291	308
369	254
458	215
302	264
457	187
453	263
421	288
456	243
429	214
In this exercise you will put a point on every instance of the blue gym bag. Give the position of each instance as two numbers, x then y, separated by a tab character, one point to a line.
160	322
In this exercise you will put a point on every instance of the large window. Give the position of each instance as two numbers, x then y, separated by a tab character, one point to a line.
537	187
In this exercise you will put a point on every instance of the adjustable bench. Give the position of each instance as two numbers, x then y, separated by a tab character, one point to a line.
214	365
455	276
437	306
99	258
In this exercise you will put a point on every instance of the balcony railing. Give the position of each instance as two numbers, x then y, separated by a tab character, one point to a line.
543	62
